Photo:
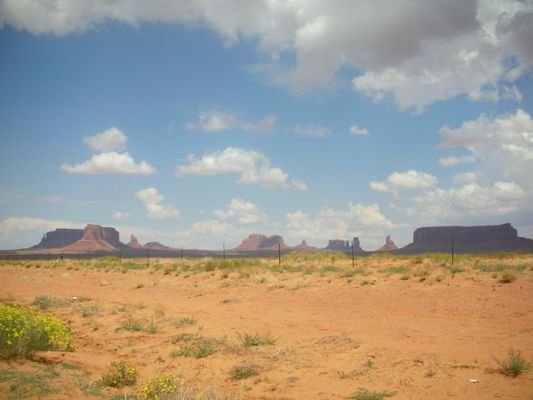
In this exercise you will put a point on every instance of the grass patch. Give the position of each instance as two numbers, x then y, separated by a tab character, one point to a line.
119	375
364	394
182	337
394	270
245	370
257	340
515	364
90	311
200	349
131	324
185	321
29	384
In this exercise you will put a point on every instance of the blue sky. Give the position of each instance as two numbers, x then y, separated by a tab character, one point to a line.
198	123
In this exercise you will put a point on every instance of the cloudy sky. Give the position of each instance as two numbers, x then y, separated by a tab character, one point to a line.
196	123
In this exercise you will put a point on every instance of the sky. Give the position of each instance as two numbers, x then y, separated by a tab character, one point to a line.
197	123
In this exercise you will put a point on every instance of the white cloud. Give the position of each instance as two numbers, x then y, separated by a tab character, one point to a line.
216	121
312	130
398	181
243	211
152	199
121	216
25	231
502	198
110	163
254	168
418	51
356	220
355	130
503	146
111	139
464	177
450	161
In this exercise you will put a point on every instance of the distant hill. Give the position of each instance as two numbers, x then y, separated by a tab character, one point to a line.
261	242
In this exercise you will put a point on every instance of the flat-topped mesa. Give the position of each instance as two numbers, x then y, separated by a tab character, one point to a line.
389	245
58	238
489	238
261	242
95	238
464	234
156	246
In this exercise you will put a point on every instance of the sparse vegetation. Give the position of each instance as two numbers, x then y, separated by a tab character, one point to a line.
131	324
119	375
364	394
245	370
515	364
200	349
257	339
508	277
160	388
185	321
35	384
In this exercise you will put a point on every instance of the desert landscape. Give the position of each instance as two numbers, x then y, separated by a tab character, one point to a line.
314	326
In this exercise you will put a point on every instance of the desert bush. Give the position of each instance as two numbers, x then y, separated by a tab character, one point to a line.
508	277
185	321
245	370
43	302
160	388
119	375
364	394
257	339
200	349
515	364
22	331
131	324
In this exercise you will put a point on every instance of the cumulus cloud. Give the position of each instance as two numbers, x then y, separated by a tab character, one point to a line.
25	231
415	51
355	130
216	121
398	181
151	200
253	167
342	224
121	216
503	146
312	130
450	161
243	211
472	199
464	177
111	139
110	163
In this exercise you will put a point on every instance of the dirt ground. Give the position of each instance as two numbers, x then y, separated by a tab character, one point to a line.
406	326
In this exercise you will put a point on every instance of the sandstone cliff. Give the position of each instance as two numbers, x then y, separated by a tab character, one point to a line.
261	242
389	245
59	238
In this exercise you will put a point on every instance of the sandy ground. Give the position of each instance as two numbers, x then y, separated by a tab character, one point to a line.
420	338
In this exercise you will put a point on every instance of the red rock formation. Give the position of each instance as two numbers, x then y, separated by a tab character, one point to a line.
93	239
389	245
134	243
156	246
59	238
261	242
304	246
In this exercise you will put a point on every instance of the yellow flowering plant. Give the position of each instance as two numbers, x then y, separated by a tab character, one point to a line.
160	388
23	331
120	374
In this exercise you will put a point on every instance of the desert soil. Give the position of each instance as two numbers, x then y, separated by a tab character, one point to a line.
421	338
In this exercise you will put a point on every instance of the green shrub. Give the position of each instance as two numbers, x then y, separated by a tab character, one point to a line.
160	388
257	339
23	331
515	364
364	394
201	349
119	375
245	370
